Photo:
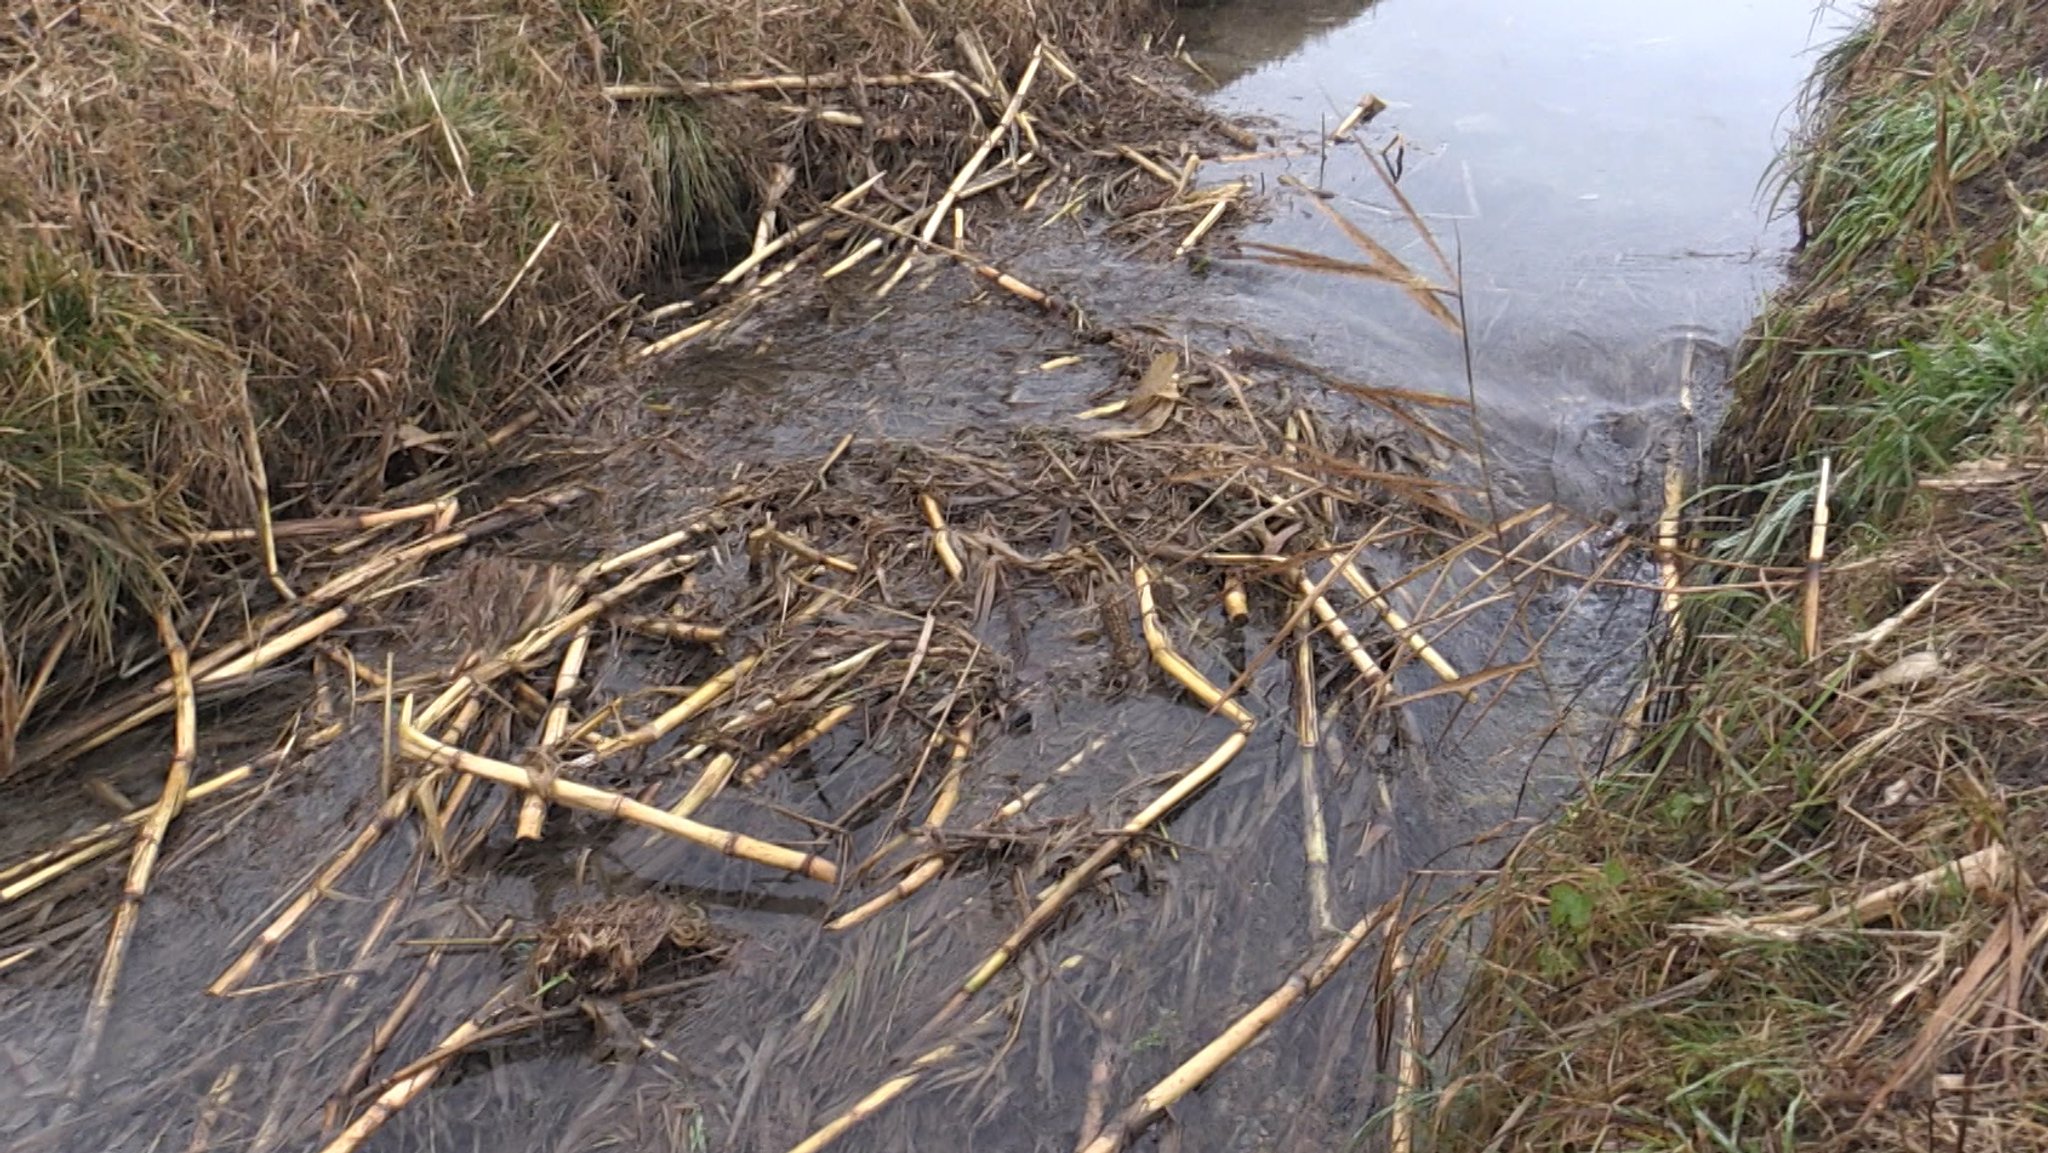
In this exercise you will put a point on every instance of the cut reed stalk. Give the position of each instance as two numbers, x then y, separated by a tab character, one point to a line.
149	841
1314	837
1176	666
533	809
759	770
27	875
1347	641
974	161
877	1100
927	868
393	808
1398	623
942	538
782	83
398	1096
1816	553
1233	1040
1078	878
422	747
702	697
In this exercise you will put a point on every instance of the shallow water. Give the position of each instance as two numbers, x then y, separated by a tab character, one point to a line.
1599	171
1596	167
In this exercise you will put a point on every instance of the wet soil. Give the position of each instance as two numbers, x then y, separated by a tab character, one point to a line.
1597	166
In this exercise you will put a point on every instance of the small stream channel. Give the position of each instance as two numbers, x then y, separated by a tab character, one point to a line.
1597	168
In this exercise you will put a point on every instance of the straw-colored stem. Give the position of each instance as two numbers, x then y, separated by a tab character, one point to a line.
1398	622
1401	1127
400	1095
876	1101
786	83
942	538
701	698
1231	1041
761	255
711	780
1816	552
759	770
533	810
1078	878
541	639
1202	227
577	796
1333	623
625	560
149	842
380	1039
928	867
1173	664
670	629
274	934
1314	836
1236	605
258	479
1030	796
319	526
26	876
800	548
980	155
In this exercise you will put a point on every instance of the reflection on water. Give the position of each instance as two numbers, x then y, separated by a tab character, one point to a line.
1233	37
1595	166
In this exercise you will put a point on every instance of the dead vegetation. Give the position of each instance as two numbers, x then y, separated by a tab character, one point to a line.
279	265
876	601
1806	911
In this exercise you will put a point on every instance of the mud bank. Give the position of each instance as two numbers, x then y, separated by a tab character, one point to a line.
1805	912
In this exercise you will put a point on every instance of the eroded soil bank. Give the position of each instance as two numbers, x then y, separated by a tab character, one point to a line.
956	762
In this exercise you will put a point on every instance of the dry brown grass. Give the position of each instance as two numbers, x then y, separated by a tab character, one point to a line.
302	218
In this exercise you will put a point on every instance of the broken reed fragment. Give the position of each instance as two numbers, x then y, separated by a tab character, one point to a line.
419	745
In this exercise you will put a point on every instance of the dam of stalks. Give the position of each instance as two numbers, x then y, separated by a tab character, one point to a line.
501	746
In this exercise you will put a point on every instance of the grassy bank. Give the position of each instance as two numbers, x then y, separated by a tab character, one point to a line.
274	260
1803	911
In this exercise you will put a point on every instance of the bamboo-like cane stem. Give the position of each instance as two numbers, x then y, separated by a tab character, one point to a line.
703	697
1175	665
1333	623
388	814
33	873
398	1096
533	810
1816	552
931	865
874	1102
942	538
786	83
1399	623
759	770
1232	1041
423	747
149	842
1314	837
1078	878
761	255
988	145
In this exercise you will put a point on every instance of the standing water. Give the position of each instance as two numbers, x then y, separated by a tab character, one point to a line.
1592	170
